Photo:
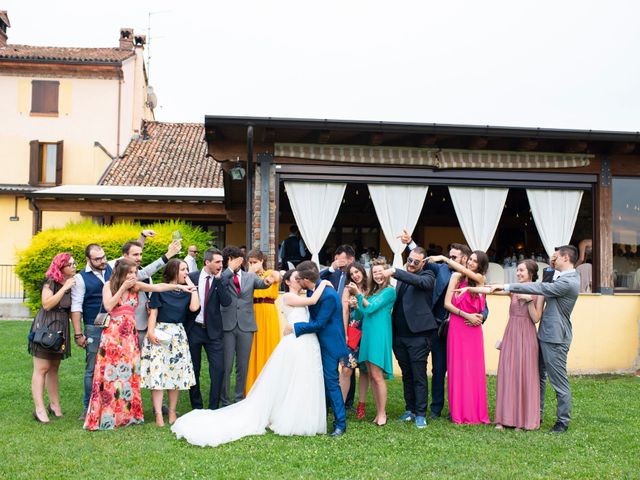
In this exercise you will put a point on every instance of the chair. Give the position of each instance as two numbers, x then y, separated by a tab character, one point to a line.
495	273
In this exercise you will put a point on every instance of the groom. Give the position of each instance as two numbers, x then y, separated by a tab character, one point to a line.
326	322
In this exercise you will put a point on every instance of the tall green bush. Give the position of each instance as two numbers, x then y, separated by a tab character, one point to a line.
34	260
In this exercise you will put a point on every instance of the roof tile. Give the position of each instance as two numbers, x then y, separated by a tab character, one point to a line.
69	54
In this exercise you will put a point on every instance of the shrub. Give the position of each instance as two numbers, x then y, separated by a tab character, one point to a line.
34	261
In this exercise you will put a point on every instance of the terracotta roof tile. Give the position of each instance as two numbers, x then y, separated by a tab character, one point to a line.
173	156
68	54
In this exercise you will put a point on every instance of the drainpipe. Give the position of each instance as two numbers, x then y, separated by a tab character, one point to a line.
249	221
37	217
119	114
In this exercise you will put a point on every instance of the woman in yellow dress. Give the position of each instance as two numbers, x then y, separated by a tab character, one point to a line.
266	338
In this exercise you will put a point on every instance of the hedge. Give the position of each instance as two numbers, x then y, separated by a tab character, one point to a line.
34	261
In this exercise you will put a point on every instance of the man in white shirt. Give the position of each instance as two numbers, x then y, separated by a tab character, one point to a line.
191	258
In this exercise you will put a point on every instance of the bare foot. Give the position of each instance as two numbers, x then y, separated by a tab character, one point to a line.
499	427
172	417
159	419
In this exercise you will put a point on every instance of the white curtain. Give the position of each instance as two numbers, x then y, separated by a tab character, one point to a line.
555	213
478	211
398	208
315	206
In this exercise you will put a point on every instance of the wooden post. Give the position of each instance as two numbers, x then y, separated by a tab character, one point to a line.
603	245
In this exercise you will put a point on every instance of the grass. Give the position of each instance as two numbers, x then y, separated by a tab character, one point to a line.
603	440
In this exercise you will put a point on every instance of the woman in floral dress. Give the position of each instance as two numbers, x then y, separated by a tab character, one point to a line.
166	365
115	396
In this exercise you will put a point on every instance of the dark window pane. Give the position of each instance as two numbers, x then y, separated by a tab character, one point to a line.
625	228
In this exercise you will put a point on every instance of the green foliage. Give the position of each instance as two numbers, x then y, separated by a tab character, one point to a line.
34	261
602	441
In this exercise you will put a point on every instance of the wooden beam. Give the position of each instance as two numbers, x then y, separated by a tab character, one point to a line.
427	141
623	148
376	138
478	143
324	136
268	135
527	144
575	146
132	208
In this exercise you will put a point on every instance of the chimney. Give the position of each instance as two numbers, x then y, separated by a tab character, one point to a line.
4	24
126	38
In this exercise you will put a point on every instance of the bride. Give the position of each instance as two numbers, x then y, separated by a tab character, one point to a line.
287	398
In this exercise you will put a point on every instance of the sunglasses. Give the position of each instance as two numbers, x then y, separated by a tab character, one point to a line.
413	261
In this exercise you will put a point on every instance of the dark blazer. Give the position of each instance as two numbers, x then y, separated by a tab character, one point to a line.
417	299
218	296
326	322
334	278
547	275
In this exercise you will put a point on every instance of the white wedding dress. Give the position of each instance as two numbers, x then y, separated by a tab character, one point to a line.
287	397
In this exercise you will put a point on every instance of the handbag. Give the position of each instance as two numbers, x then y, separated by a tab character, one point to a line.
353	337
46	337
443	328
102	320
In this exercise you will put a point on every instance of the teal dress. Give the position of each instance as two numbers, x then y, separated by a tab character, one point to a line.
376	343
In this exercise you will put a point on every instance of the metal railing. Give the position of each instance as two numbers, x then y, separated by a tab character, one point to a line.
10	284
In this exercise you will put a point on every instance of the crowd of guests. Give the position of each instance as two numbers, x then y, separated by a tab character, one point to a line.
436	305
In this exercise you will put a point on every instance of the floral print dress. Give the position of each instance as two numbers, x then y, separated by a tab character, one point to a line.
115	397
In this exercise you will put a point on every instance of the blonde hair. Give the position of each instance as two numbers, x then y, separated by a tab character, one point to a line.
373	286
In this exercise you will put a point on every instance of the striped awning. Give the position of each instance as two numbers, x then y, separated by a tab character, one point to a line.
431	157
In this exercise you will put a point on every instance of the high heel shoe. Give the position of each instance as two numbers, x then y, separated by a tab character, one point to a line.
37	418
50	410
360	413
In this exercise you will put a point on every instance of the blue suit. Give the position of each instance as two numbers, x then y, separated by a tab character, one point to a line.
326	322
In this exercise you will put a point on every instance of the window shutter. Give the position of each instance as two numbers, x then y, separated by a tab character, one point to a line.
59	163
34	162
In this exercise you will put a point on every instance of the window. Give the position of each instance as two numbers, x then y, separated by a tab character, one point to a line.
44	97
46	163
625	228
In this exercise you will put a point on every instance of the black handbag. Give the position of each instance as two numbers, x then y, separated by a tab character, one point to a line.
443	328
50	339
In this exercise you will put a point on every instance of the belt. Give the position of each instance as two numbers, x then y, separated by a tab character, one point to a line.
264	300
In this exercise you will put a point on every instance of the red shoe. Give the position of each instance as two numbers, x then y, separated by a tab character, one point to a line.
360	413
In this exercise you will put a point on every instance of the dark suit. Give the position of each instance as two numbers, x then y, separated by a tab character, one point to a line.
326	322
209	337
414	330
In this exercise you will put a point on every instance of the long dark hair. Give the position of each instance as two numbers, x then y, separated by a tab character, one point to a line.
358	266
483	265
120	272
287	277
172	269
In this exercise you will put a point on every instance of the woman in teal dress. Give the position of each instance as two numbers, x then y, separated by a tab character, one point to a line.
376	342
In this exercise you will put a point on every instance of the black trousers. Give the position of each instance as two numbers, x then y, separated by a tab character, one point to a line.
438	371
198	339
348	403
412	354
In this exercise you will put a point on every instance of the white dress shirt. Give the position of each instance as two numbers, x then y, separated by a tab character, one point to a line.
192	265
202	285
79	288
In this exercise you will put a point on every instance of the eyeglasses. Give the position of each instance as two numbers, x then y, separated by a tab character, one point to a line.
71	264
98	259
195	252
414	261
454	257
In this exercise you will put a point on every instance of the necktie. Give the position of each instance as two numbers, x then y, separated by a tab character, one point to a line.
207	287
236	282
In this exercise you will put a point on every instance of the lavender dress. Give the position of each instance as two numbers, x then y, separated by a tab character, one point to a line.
518	382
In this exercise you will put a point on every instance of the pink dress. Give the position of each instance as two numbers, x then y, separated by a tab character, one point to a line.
518	382
467	382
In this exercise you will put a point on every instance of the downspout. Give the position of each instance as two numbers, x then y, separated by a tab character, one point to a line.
119	115
37	217
249	221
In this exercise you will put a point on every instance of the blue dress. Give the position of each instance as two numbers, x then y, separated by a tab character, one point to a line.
377	337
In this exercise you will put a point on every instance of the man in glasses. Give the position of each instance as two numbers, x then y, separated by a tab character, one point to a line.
414	331
86	301
191	258
458	253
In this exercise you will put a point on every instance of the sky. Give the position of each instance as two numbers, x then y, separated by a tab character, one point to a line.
549	64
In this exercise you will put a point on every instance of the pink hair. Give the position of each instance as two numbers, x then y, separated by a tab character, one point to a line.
57	264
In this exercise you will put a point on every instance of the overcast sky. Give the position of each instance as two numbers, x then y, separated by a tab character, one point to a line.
555	64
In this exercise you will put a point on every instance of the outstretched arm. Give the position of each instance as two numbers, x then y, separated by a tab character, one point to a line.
475	276
294	300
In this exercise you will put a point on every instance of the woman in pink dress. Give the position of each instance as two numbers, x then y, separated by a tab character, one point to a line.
467	382
518	382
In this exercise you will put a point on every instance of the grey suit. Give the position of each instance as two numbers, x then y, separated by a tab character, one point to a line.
238	323
555	335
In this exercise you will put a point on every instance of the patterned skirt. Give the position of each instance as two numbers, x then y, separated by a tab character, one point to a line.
167	366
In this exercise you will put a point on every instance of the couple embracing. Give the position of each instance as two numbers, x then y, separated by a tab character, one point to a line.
301	376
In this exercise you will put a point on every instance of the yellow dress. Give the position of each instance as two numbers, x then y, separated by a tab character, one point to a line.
268	335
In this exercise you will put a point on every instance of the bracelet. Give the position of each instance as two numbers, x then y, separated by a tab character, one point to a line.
78	335
459	313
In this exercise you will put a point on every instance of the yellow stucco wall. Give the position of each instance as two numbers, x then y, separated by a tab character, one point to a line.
15	234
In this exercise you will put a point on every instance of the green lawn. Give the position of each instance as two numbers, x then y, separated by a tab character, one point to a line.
603	440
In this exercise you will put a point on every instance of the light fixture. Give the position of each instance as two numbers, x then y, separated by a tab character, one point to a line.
237	172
